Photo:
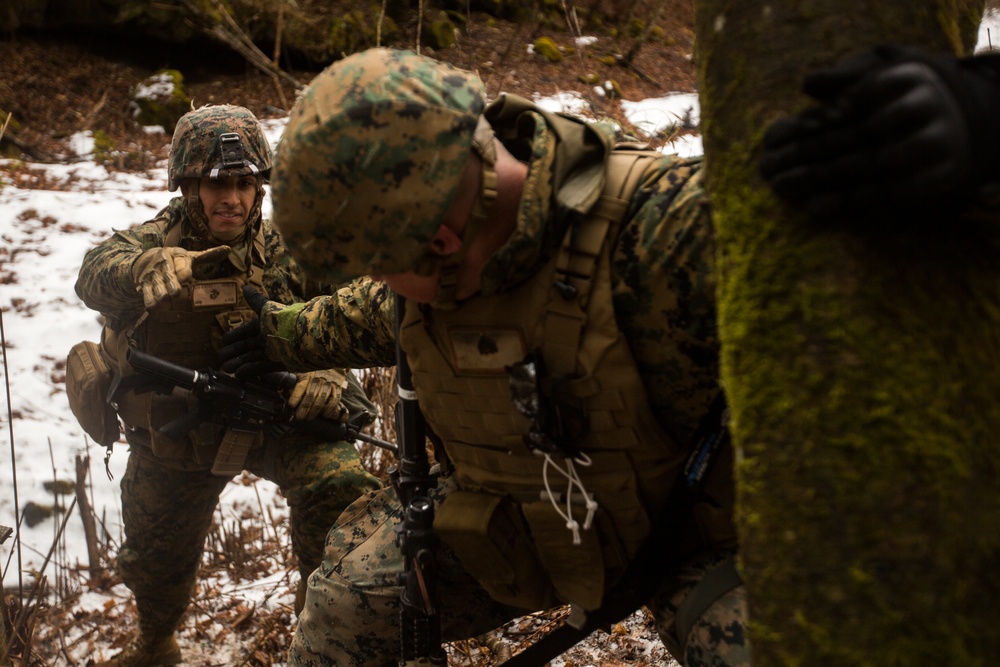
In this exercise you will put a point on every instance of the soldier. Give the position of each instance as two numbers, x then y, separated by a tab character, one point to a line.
171	287
560	326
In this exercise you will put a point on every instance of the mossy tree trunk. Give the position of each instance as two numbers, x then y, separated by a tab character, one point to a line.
862	370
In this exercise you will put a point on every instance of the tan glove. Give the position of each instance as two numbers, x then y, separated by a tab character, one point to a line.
317	394
160	272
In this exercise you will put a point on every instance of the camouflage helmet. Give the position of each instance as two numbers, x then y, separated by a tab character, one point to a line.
370	161
217	141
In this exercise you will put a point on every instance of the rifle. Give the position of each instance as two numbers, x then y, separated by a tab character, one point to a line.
243	407
419	620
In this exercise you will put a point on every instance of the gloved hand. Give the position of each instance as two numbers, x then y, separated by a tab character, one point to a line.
159	272
317	394
243	352
897	129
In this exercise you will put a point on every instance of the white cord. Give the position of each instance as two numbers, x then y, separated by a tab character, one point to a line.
572	479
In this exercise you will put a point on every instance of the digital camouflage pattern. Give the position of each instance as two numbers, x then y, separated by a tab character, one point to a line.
370	161
351	616
195	149
168	512
663	268
718	637
168	507
357	321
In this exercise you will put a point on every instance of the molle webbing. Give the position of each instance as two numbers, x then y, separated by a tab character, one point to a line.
459	361
579	253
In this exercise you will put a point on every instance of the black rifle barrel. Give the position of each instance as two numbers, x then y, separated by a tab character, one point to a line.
171	372
419	618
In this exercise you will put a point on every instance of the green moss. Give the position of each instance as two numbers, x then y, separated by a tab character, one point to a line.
959	21
634	28
356	31
866	508
161	99
548	49
440	34
104	147
13	125
590	78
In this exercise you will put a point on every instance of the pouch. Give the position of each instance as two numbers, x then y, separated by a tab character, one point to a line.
488	534
88	379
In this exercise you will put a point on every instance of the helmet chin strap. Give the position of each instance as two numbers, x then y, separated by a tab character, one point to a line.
482	144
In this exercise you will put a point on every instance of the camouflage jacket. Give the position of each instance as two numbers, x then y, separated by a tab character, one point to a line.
664	289
105	282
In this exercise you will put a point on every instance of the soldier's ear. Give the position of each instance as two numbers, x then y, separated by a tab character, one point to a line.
445	242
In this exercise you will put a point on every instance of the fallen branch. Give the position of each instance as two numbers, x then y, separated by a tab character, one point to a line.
237	39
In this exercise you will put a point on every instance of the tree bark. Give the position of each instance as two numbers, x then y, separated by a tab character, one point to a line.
860	369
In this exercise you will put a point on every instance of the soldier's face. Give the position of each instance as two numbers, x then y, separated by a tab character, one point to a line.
446	242
227	201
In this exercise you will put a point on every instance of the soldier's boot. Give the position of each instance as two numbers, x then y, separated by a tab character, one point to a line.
146	650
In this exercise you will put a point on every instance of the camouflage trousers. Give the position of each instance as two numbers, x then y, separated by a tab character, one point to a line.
351	613
167	513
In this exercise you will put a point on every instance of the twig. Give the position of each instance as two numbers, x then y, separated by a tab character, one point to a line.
378	28
96	109
22	617
260	504
87	515
10	429
65	651
236	38
420	22
277	32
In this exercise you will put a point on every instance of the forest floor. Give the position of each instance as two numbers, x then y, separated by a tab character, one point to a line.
58	84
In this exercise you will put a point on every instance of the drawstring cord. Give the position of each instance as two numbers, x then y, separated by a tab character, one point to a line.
573	480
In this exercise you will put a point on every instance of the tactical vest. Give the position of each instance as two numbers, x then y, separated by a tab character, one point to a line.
186	330
501	521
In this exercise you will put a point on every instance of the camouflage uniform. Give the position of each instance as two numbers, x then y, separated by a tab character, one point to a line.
168	504
663	291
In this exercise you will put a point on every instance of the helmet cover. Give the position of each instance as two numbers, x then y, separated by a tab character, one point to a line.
370	161
217	141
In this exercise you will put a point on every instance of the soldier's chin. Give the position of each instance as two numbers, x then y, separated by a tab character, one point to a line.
226	229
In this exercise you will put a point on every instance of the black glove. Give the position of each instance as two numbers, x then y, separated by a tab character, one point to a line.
897	130
243	350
